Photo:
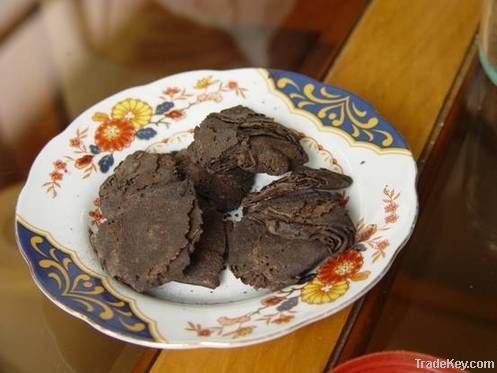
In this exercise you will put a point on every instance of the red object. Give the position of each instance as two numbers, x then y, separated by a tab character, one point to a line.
392	362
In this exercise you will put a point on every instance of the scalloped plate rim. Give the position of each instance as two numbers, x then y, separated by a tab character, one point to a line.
196	342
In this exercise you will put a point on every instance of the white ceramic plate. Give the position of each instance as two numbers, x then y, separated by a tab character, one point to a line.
57	209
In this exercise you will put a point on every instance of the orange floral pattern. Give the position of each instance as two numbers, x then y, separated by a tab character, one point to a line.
391	205
83	161
226	321
234	86
131	119
95	214
171	91
197	328
114	135
60	165
341	267
370	235
175	114
272	301
282	319
54	175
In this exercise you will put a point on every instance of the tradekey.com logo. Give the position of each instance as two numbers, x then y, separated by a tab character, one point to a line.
454	364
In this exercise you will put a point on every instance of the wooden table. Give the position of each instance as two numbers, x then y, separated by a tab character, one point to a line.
413	60
403	57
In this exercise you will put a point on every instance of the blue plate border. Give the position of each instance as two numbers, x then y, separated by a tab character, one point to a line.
67	282
338	109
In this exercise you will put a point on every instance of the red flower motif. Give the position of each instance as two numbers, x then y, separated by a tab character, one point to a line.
225	321
341	267
197	328
366	232
391	207
282	319
390	219
204	332
171	91
232	84
75	142
96	216
83	161
175	114
114	134
382	245
59	165
56	176
272	301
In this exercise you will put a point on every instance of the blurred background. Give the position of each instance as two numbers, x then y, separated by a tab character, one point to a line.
58	57
415	61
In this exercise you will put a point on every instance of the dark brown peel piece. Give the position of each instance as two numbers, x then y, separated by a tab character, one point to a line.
242	238
152	238
273	148
337	237
224	189
302	179
285	234
265	154
207	261
297	205
264	260
164	212
213	141
283	261
306	216
240	137
196	224
135	173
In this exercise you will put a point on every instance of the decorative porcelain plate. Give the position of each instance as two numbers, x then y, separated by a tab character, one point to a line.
57	209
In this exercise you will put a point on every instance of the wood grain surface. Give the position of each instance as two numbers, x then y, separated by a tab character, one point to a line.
426	291
402	57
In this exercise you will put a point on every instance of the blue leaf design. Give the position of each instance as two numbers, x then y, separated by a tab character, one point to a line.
288	304
145	133
165	106
106	162
94	149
